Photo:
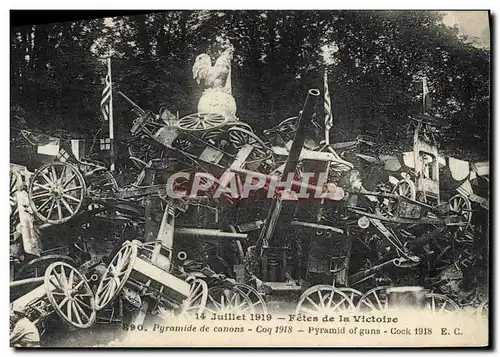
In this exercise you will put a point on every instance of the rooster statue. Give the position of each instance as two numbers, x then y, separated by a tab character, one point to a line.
216	81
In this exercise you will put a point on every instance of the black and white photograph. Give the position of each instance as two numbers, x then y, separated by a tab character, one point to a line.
250	178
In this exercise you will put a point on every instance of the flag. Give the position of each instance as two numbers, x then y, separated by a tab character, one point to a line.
49	149
106	95
78	148
328	107
427	101
37	139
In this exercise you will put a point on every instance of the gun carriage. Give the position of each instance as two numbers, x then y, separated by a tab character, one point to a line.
64	291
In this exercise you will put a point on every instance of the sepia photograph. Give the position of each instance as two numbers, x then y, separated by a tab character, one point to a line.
250	178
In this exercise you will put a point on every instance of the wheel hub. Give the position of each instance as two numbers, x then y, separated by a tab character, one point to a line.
56	191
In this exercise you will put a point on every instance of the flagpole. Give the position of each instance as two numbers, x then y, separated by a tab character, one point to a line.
426	100
111	126
423	95
328	113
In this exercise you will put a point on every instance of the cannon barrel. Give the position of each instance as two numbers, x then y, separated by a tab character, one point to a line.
16	283
359	276
213	233
137	108
275	217
305	119
317	226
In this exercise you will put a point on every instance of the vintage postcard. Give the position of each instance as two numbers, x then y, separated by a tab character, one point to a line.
250	178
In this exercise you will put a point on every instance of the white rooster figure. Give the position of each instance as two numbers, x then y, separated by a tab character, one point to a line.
216	76
216	80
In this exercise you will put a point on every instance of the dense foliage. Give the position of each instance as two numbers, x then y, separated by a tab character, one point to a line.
377	61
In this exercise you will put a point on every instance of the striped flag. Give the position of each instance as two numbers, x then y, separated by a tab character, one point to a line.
106	95
328	111
427	102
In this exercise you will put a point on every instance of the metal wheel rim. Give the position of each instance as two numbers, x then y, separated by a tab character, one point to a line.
197	299
212	134
238	137
482	309
14	214
457	204
353	294
430	303
325	303
140	123
381	304
259	304
76	300
54	194
105	183
109	287
199	122
240	124
287	124
144	151
222	133
232	300
184	144
43	258
405	188
13	189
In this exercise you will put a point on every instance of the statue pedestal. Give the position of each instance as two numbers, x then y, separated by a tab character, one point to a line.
217	101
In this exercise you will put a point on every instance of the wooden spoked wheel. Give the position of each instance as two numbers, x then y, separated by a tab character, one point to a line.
116	275
238	137
239	124
284	130
37	267
144	151
102	184
353	294
197	298
452	251
483	310
70	294
142	122
405	188
288	125
217	134
259	304
184	144
14	213
438	303
230	300
460	206
321	299
199	122
213	135
374	300
56	192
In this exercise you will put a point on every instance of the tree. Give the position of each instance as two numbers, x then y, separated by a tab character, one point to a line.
375	74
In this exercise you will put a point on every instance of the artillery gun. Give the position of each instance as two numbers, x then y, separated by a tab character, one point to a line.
64	291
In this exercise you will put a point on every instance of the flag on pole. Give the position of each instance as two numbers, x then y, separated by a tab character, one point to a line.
106	95
427	101
328	111
107	110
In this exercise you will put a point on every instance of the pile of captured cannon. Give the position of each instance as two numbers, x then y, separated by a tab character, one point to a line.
219	219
